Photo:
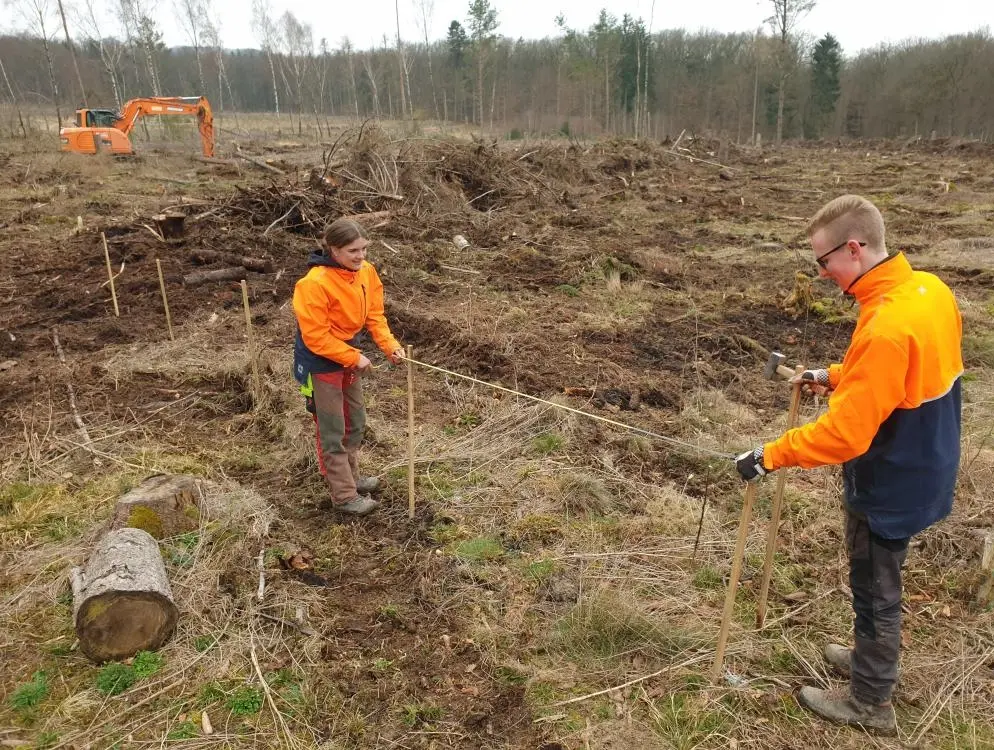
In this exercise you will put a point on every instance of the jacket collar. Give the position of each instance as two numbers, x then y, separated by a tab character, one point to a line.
319	258
880	279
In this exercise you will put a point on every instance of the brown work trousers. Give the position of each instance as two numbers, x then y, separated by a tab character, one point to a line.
340	419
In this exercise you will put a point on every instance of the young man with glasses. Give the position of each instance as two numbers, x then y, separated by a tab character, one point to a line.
893	422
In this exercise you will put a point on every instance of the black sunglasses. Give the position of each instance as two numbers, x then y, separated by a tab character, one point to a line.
824	263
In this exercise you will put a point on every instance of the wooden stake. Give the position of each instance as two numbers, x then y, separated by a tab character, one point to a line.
110	275
771	535
733	580
165	300
410	432
256	383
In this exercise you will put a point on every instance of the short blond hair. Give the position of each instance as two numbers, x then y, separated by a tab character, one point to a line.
850	217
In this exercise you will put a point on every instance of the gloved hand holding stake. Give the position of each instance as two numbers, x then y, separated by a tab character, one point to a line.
813	381
750	465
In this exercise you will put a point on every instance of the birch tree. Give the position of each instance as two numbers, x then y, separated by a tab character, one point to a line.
425	10
266	34
194	17
109	50
786	15
38	15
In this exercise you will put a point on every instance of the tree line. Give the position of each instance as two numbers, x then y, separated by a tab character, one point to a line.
614	77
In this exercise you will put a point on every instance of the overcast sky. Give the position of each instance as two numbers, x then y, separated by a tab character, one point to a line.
857	24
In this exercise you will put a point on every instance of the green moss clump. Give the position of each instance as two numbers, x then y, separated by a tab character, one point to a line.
146	519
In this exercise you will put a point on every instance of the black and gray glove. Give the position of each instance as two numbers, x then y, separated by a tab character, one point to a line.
819	377
750	465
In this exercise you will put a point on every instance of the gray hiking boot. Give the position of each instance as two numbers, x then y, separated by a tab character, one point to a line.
360	505
839	657
840	707
365	485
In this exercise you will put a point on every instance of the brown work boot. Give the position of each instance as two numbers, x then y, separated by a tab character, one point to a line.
839	657
839	706
360	505
366	485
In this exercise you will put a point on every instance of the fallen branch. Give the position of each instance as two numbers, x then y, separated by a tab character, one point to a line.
260	265
277	221
220	274
368	217
258	162
77	420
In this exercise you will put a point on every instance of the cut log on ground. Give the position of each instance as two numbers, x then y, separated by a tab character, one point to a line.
260	265
122	603
163	505
221	274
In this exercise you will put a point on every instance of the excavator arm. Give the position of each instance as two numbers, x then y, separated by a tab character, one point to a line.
102	129
171	105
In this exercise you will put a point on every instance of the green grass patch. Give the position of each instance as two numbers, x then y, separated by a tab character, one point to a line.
245	701
147	663
114	678
420	714
686	722
606	626
548	443
29	695
479	549
185	730
708	578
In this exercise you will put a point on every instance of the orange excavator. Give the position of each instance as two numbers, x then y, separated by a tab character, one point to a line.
106	130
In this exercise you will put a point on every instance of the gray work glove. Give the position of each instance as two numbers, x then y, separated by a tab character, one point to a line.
750	465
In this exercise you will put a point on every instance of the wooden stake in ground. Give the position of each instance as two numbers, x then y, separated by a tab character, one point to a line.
165	300
733	580
771	535
410	432
110	275
256	383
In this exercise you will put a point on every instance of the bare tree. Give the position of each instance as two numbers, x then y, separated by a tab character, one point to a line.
265	33
38	16
194	17
13	99
72	53
786	15
298	44
347	49
426	9
110	50
367	64
212	38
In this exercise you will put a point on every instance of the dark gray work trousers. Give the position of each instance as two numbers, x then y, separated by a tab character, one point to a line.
875	579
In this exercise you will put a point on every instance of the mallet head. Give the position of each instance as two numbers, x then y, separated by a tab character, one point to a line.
776	359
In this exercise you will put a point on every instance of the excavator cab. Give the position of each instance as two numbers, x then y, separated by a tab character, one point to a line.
96	118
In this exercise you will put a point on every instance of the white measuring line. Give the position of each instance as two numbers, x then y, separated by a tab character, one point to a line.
622	425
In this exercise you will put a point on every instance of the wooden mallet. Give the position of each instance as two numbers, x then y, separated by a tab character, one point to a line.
773	368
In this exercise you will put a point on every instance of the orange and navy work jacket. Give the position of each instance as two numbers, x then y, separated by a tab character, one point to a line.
893	420
333	305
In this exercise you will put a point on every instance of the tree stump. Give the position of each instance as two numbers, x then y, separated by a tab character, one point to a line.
122	602
163	505
171	225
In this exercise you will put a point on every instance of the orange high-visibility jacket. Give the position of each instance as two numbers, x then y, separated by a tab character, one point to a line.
894	417
332	305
